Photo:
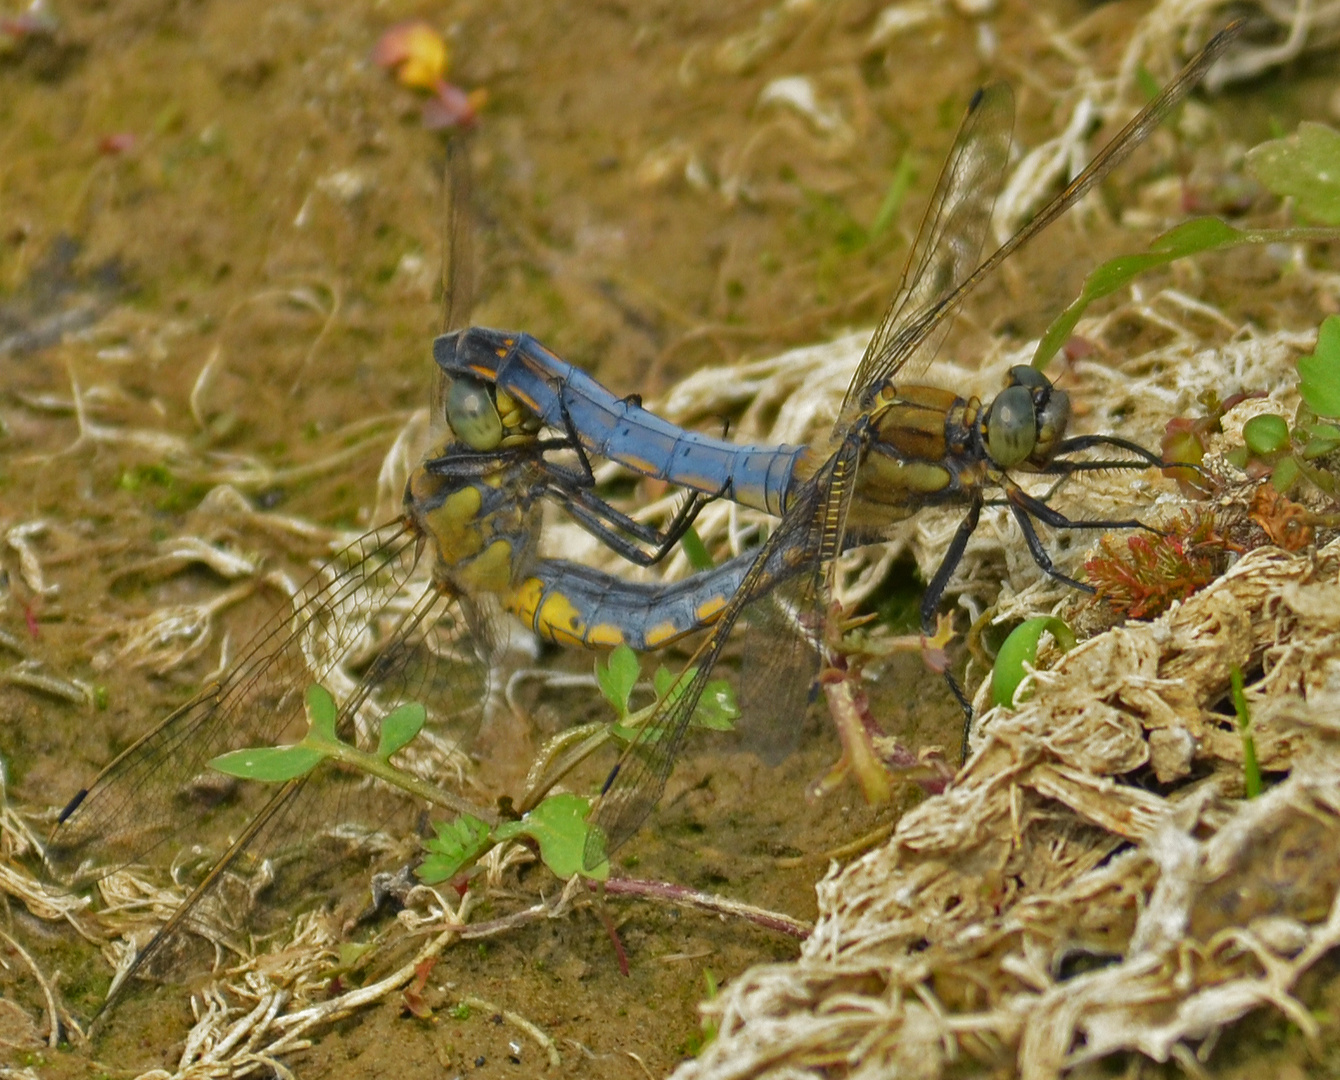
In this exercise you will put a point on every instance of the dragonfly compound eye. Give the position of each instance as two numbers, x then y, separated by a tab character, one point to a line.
1012	427
1053	419
472	415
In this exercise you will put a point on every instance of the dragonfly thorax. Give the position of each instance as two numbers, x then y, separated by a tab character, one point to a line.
481	522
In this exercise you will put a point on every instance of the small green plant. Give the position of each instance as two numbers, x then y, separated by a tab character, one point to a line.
278	764
1301	452
557	824
1304	166
1251	770
716	710
1157	569
1020	649
695	550
708	1027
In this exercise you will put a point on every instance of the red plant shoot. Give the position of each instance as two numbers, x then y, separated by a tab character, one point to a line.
1157	569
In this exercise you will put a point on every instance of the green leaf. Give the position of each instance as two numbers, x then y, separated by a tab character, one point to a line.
1322	439
717	709
399	727
903	174
273	764
1319	372
559	826
669	686
1194	236
1189	238
1304	166
1021	648
695	550
457	844
321	712
663	679
1284	475
617	676
1266	434
1251	771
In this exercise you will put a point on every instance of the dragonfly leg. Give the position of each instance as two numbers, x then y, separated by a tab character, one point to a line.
1025	507
1035	507
1086	442
930	603
604	522
930	599
1039	553
574	488
604	515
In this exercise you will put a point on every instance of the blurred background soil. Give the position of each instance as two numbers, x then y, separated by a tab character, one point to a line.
220	240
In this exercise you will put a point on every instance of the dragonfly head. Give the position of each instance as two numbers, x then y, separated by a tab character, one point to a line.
1026	420
483	417
472	413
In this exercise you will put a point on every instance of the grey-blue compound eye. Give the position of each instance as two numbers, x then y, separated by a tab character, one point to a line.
1011	429
472	415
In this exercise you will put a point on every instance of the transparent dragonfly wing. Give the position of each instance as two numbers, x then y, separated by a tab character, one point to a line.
947	247
795	559
458	262
433	656
939	273
134	803
364	628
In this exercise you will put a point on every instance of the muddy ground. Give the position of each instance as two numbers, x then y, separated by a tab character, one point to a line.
220	234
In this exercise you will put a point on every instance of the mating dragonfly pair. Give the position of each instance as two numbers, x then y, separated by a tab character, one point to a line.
471	522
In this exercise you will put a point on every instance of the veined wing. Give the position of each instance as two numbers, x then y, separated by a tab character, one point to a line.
136	804
433	655
947	247
795	560
914	326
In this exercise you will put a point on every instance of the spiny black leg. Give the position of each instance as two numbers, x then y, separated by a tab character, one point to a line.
602	520
684	518
1085	442
469	466
930	603
574	439
1039	553
1065	468
930	599
590	520
965	705
1057	520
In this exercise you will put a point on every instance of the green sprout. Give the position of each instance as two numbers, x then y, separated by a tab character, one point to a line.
1304	166
706	1034
1287	454
1019	652
557	824
1251	770
617	677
